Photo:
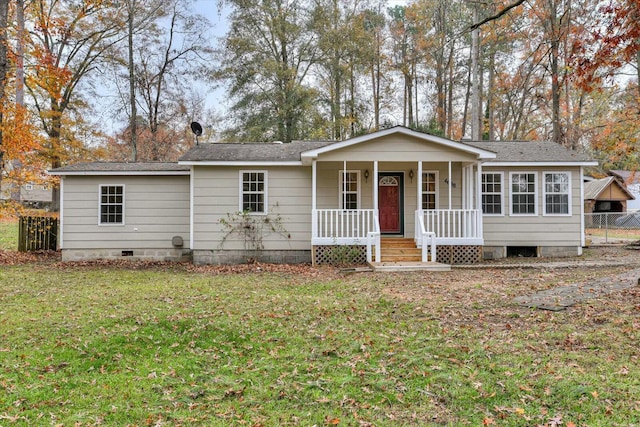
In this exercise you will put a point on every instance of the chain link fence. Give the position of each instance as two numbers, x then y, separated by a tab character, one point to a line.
613	225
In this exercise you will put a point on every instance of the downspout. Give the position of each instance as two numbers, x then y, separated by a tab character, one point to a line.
61	227
191	205
478	204
582	237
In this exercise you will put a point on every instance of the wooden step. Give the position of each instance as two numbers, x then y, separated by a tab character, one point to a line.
397	249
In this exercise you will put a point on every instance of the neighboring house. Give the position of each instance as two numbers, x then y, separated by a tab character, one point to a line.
606	195
29	194
461	201
631	180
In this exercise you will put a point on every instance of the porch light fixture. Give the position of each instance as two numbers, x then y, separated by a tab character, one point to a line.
411	175
446	181
366	175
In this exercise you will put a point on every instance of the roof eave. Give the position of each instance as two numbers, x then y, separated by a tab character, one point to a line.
120	173
543	163
481	153
248	163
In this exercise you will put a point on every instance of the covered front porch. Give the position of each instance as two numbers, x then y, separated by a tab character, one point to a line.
383	205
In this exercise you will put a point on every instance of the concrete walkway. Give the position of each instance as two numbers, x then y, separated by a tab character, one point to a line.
560	298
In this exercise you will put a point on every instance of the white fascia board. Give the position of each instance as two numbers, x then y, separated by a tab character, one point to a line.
482	154
240	163
538	164
120	173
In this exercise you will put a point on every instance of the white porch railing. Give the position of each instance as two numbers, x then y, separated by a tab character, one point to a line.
373	239
343	227
426	240
452	226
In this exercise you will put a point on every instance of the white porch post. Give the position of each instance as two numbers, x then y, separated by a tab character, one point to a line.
419	185
450	180
314	183
344	184
375	184
314	212
479	200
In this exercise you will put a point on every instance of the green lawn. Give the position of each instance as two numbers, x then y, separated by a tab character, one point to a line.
84	346
9	235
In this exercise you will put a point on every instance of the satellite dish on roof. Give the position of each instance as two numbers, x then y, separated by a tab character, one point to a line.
196	128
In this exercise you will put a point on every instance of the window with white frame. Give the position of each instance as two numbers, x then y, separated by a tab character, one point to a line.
253	186
523	193
28	186
111	205
349	189
492	193
557	193
430	190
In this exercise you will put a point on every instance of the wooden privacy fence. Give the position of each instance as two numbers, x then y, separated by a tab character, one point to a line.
37	233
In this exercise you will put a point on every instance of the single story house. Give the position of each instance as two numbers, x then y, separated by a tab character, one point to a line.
392	193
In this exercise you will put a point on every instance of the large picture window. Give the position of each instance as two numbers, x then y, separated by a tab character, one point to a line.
430	190
111	205
492	193
557	193
253	185
349	189
523	193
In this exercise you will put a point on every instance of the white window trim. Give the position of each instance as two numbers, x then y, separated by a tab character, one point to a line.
111	224
266	191
28	186
544	194
535	191
422	193
502	209
341	188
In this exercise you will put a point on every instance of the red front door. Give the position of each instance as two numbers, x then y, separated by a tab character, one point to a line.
389	203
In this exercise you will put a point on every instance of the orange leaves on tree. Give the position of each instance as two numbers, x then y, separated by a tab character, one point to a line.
49	75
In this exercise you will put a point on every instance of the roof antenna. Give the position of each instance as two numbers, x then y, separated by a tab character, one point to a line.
196	129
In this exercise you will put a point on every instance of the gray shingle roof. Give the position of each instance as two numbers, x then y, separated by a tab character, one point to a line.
628	177
251	152
151	167
530	151
593	189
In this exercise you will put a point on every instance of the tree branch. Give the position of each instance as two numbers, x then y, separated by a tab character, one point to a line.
497	15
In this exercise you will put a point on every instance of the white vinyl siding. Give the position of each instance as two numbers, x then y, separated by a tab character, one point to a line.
216	195
430	190
524	193
492	193
556	196
539	230
253	190
111	199
156	209
349	189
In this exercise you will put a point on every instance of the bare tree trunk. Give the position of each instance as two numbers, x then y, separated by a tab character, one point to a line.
467	97
476	107
4	11
490	90
133	120
20	52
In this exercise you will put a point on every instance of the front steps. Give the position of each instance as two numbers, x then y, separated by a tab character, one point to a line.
400	254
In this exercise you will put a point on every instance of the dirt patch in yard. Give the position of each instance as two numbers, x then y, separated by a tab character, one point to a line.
484	298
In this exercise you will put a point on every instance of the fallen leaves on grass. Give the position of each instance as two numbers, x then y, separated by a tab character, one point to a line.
18	258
